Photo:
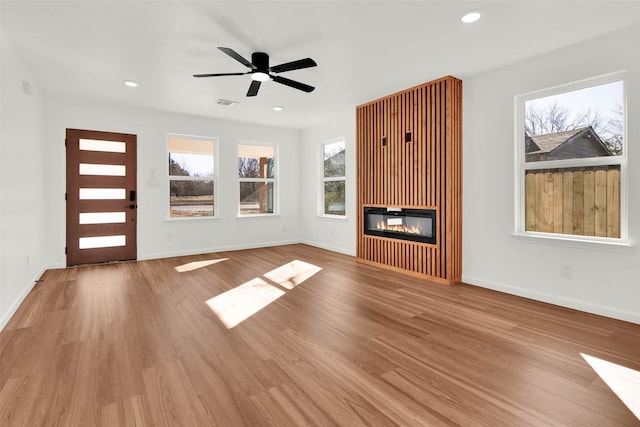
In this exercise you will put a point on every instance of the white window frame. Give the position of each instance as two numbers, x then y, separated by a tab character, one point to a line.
274	180
322	179
521	166
216	206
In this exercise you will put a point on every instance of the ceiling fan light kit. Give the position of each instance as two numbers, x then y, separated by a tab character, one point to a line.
259	76
261	72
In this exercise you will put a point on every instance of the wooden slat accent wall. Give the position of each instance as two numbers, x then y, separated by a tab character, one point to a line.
583	201
424	173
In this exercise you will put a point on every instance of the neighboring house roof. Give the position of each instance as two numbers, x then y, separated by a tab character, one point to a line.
540	144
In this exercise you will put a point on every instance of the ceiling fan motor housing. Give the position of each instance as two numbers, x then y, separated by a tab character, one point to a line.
260	60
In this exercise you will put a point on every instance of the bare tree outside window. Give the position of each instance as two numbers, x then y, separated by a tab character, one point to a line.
599	107
334	180
191	176
257	179
574	161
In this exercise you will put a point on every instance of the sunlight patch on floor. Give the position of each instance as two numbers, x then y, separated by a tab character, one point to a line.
238	304
623	381
292	274
198	264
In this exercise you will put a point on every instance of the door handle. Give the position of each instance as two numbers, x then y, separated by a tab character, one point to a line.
130	206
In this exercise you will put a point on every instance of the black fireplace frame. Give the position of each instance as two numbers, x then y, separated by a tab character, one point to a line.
401	212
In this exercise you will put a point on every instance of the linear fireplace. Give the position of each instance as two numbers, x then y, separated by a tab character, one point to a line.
416	225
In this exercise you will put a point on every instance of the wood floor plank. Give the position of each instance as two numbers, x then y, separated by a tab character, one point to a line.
136	344
131	412
172	399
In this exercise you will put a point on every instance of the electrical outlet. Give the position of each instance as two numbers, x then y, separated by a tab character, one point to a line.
169	237
27	260
566	271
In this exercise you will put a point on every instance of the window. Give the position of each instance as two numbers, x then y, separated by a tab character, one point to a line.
333	178
192	176
571	161
257	179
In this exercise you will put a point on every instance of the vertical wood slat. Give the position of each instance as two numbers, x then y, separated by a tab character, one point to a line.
578	203
423	173
567	218
558	186
600	205
440	170
421	144
547	202
613	203
589	203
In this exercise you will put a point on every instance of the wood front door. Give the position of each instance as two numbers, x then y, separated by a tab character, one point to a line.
101	197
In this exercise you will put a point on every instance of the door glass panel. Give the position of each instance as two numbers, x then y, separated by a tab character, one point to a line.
104	170
102	193
102	217
98	145
102	242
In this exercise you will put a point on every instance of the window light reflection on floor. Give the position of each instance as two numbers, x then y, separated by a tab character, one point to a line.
238	304
623	381
198	264
292	274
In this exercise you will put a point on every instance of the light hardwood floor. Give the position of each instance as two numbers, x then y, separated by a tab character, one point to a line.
137	344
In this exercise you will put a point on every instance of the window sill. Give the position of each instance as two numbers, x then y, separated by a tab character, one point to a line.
332	217
258	215
568	241
193	218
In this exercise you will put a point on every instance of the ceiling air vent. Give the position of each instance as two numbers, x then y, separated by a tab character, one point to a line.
226	102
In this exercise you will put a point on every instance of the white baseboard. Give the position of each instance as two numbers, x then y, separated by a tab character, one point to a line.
201	251
588	307
6	316
329	247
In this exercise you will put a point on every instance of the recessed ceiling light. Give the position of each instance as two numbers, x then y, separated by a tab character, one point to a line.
130	83
471	16
278	108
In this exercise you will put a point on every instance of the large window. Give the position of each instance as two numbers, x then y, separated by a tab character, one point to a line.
333	178
572	161
257	179
192	176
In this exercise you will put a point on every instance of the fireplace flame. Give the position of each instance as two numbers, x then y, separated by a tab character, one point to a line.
414	229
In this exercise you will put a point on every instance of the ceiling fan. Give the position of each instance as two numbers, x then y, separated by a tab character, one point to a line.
261	71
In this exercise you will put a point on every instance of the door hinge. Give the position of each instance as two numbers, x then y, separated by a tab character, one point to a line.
65	250
65	142
65	197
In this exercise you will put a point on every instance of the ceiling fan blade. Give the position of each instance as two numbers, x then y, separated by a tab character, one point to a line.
294	65
253	89
292	83
235	55
221	74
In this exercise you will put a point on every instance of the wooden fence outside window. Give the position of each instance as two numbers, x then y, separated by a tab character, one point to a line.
580	201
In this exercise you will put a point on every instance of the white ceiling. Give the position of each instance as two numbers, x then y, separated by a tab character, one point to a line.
364	49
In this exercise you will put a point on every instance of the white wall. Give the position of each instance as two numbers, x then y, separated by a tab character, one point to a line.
158	236
330	233
604	279
22	183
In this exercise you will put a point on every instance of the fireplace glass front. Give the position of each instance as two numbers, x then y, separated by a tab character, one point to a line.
416	225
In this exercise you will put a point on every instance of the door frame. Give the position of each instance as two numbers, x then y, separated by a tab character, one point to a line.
130	226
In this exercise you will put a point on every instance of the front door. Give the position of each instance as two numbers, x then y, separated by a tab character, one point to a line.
101	197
